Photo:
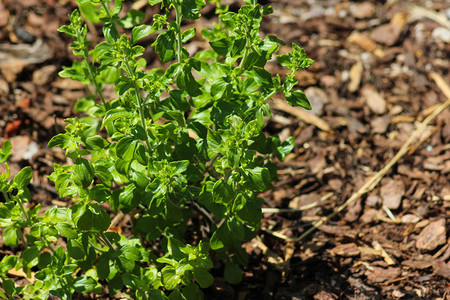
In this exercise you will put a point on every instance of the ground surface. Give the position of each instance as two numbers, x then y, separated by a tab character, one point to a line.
369	87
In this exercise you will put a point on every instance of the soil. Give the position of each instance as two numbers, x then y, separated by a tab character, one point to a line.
370	88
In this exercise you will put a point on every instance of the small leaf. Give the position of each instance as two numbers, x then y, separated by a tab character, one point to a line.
96	142
165	46
11	236
170	278
66	230
232	273
83	172
85	284
100	218
298	98
140	32
75	249
187	35
126	147
132	18
23	178
221	46
203	277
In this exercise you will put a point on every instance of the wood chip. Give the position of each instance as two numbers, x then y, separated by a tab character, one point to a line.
349	249
373	99
432	236
392	192
382	275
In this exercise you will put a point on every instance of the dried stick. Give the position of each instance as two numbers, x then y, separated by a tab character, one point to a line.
374	180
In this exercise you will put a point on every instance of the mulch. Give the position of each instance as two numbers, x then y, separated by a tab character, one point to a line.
371	87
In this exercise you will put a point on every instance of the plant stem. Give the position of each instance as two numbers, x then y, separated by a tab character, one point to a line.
106	241
29	221
95	247
94	82
140	102
270	95
178	21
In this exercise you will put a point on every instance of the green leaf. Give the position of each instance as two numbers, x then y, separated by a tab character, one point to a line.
232	273
99	193
298	98
114	114
141	31
126	147
203	277
153	2
103	267
100	218
216	242
5	152
128	256
132	18
187	35
165	46
110	32
30	256
11	236
9	287
222	192
221	89
82	217
179	167
83	172
251	212
23	178
8	262
191	8
96	142
170	279
89	10
221	46
263	77
285	148
104	175
192	291
75	249
260	178
66	230
186	82
86	284
284	60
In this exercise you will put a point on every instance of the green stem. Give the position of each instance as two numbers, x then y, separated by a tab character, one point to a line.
94	82
244	57
95	247
270	95
140	102
106	241
29	221
178	21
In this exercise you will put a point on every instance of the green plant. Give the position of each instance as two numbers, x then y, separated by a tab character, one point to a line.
180	149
